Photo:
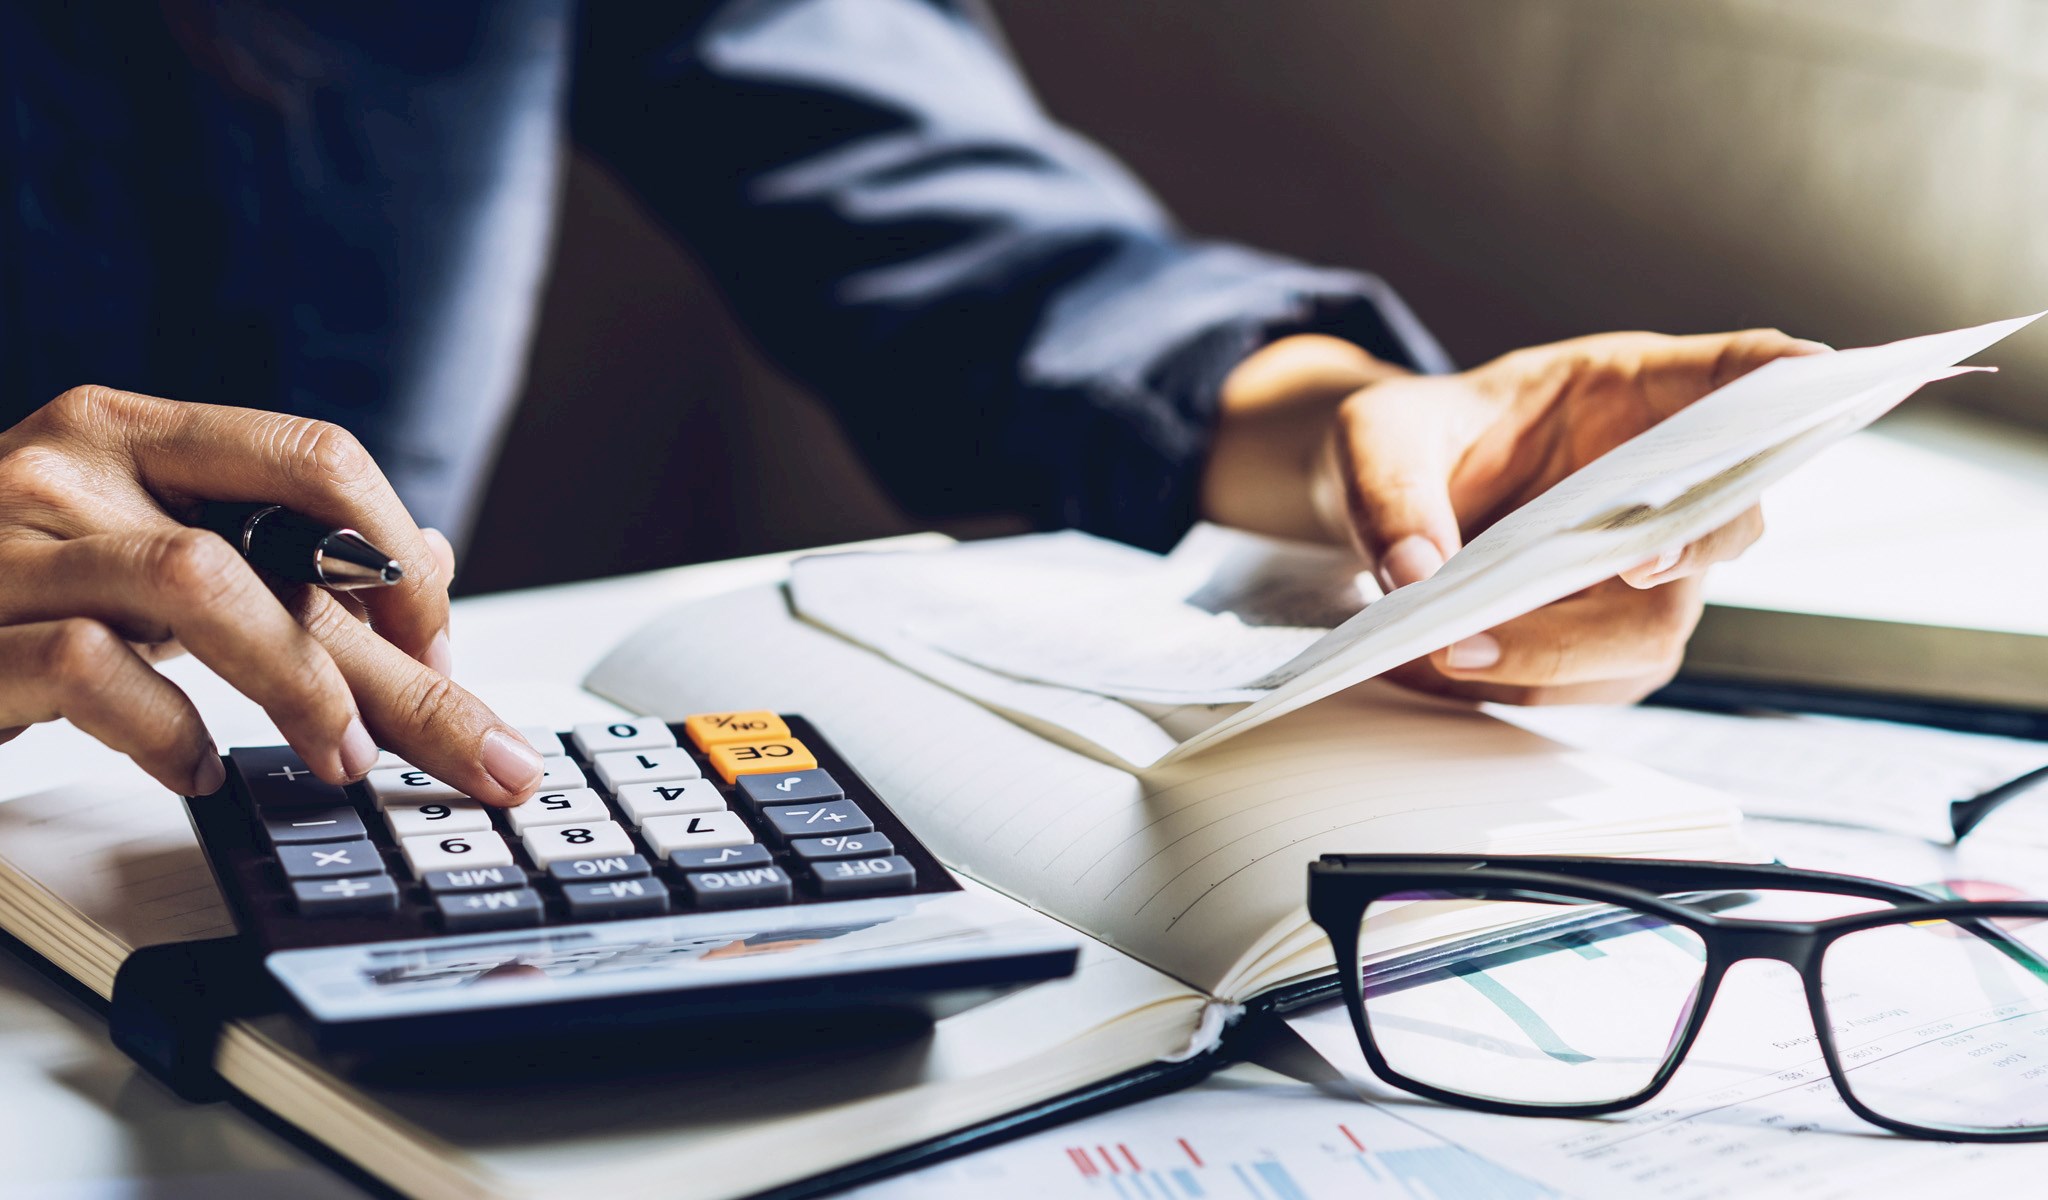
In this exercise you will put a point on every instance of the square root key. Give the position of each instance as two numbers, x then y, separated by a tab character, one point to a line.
789	787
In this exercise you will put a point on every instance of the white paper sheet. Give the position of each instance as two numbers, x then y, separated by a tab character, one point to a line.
1873	774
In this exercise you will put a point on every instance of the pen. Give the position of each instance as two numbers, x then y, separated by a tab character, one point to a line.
298	549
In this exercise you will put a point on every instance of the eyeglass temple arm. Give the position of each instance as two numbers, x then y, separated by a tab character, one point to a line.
1965	815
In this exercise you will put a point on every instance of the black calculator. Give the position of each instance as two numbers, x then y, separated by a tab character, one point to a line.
733	865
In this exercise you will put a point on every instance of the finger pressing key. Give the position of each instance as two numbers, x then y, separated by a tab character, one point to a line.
82	670
420	713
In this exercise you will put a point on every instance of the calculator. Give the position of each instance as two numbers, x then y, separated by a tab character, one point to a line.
731	866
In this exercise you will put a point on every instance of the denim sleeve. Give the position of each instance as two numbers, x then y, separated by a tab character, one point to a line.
1001	315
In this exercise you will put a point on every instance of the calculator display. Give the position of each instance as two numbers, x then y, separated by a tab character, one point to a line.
350	983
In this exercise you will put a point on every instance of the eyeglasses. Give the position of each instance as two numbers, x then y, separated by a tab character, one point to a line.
1580	983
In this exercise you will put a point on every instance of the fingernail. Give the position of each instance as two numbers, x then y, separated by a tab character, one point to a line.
358	750
1475	653
510	761
211	773
1411	560
1809	346
440	657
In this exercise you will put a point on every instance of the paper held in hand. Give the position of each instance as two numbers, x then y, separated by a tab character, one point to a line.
1151	659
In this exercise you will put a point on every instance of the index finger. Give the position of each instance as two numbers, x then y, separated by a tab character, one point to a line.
1683	369
211	452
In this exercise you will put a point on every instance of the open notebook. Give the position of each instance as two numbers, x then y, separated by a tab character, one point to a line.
1188	883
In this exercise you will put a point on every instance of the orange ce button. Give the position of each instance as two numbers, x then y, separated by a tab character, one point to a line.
755	758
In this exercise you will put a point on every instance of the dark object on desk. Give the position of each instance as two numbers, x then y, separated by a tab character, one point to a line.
426	919
298	549
1596	975
1945	674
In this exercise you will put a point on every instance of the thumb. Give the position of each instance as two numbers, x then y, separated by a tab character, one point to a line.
1395	454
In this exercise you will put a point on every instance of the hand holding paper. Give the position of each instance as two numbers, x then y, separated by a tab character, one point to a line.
1424	462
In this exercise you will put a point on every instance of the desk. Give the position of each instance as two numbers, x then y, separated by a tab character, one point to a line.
78	1121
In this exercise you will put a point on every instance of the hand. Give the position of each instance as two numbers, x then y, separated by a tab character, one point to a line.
1410	467
99	579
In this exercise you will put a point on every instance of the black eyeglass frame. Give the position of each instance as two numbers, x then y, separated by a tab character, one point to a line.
1342	886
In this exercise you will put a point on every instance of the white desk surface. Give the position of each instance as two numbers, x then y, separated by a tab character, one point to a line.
77	1119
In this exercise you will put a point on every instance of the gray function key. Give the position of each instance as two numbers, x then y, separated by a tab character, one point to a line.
864	876
616	898
298	826
275	776
330	860
617	866
723	858
358	895
852	845
826	818
795	787
467	912
738	889
474	879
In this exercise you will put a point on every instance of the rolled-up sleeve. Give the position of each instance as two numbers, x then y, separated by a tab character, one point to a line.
1001	315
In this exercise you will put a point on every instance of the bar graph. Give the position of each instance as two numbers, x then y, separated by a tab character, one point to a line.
1226	1141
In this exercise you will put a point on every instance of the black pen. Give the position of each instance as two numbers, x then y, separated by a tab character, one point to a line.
298	549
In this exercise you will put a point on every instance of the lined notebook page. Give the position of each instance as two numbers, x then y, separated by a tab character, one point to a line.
1199	868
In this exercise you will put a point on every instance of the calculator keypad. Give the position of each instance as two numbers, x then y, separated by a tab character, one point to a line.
628	822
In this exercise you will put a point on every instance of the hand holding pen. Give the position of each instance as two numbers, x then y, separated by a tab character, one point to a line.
102	575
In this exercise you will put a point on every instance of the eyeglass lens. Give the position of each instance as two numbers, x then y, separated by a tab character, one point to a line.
1585	1010
1976	1060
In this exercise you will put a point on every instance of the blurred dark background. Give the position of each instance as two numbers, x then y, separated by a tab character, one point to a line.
1523	170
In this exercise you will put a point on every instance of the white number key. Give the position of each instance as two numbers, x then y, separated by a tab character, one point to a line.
454	851
449	816
408	786
634	733
559	773
593	839
645	766
695	831
644	800
579	807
